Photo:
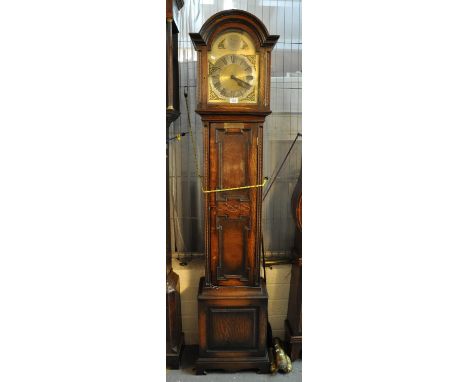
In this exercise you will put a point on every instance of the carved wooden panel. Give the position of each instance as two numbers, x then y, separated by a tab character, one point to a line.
233	329
233	209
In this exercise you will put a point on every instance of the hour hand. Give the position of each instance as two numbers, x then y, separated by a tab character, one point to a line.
242	83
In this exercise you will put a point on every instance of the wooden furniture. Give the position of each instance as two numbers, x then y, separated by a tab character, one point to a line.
174	335
234	50
293	322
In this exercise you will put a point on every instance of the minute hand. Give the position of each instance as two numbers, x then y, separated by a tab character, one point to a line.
240	82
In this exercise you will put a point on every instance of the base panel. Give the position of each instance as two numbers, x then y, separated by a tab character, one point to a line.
232	328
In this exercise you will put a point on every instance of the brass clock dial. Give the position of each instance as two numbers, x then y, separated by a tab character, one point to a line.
232	77
233	69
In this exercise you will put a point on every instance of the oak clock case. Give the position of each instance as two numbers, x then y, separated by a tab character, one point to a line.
234	52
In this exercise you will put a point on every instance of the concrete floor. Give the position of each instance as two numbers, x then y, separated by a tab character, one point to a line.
186	373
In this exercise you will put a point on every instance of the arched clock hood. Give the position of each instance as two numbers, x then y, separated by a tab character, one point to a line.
245	22
233	18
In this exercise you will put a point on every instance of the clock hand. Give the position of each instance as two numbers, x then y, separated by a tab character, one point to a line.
240	82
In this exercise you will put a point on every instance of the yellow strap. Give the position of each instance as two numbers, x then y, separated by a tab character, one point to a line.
236	188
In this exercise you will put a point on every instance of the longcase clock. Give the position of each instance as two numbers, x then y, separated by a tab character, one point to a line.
174	335
234	60
293	322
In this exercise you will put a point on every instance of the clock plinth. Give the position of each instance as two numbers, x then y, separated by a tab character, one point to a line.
232	323
234	50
